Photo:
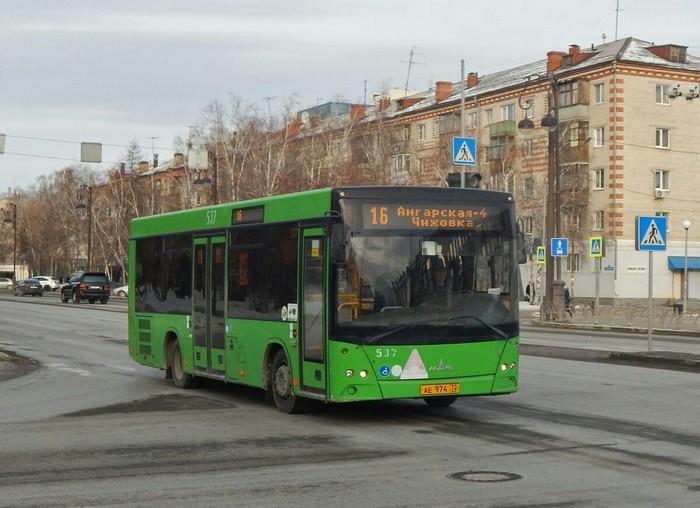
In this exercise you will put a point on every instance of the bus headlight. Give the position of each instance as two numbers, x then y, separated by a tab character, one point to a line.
363	374
504	367
512	365
349	373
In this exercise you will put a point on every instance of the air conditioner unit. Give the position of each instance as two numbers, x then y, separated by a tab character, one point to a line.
658	194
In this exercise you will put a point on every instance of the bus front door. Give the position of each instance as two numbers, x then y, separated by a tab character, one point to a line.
208	325
313	316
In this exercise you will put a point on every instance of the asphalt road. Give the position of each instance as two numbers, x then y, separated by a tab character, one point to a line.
91	428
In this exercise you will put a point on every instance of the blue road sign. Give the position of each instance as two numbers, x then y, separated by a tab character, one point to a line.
541	257
464	151
559	247
595	247
651	233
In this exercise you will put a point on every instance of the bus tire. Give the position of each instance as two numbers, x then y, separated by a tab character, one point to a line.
440	401
180	378
281	386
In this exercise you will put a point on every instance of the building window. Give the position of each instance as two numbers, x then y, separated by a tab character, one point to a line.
527	148
488	117
400	166
508	112
599	93
471	121
663	94
573	262
499	148
530	108
448	123
577	133
662	179
528	187
527	225
599	179
568	93
598	220
422	132
663	138
406	132
598	137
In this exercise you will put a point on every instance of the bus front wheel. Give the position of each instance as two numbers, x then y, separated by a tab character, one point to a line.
281	386
180	378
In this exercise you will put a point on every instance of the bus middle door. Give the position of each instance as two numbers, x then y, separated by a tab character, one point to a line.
312	313
208	305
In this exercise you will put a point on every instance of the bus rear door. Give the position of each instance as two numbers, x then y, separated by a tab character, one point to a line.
208	305
313	312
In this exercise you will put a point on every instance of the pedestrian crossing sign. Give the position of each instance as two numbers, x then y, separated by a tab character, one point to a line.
651	233
540	255
464	151
595	247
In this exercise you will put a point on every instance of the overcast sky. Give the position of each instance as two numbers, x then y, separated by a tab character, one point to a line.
111	72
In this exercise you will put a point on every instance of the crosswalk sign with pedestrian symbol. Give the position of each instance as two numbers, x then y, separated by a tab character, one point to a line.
463	151
595	247
651	233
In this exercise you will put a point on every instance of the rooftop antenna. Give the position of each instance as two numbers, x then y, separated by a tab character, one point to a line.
617	15
153	149
268	99
410	63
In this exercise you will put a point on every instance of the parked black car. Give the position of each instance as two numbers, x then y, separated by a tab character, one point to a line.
90	286
29	287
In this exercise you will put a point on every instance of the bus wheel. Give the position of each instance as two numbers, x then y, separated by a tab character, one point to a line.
180	379
439	401
281	387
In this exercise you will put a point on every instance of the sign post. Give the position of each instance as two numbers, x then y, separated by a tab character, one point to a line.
651	236
595	250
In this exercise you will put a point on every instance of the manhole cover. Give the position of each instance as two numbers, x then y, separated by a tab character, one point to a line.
485	476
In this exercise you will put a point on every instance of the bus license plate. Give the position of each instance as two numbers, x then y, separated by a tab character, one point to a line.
441	389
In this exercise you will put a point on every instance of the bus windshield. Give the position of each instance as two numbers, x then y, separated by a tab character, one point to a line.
427	285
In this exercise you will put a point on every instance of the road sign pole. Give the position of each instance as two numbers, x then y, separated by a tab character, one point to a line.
597	288
651	297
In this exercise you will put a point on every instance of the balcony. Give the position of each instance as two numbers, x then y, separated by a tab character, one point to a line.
502	128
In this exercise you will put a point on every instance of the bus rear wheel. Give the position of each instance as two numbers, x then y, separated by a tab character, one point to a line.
281	386
180	378
440	401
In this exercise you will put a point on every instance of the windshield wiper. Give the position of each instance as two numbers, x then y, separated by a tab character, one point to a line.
500	332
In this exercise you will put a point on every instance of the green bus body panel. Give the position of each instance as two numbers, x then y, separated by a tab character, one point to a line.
475	366
292	207
147	345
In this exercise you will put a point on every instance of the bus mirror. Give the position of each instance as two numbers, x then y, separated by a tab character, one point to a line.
521	246
339	243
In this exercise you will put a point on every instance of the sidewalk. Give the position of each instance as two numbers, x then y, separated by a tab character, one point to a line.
675	338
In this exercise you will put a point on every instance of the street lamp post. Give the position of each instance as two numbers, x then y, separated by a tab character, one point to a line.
686	226
213	162
11	218
85	191
554	294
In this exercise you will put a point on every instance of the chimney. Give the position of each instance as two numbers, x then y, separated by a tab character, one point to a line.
443	89
178	160
357	112
472	79
383	103
122	168
554	60
574	49
142	166
671	52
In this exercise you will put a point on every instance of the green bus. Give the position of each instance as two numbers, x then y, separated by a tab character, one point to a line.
333	295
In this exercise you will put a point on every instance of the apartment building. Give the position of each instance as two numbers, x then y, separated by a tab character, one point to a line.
622	148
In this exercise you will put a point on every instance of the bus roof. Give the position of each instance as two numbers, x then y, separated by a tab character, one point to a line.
296	206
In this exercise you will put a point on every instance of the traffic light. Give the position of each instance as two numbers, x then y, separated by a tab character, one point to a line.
471	180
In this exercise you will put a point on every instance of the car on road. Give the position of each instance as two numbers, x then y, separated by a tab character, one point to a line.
50	284
6	283
121	291
29	287
90	286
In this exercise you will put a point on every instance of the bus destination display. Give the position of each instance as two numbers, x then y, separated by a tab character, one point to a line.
410	216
